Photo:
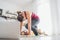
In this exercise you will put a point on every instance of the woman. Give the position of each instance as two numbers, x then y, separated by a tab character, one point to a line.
33	20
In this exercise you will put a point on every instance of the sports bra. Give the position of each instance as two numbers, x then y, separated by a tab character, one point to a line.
34	16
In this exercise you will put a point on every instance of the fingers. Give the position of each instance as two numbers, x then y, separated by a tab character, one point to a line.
24	33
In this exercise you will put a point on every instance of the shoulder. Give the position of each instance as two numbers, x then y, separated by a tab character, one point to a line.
28	13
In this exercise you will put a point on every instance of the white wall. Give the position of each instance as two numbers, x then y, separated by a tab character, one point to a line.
14	5
58	14
55	8
54	13
44	11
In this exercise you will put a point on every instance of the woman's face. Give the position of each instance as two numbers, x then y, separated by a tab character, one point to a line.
22	14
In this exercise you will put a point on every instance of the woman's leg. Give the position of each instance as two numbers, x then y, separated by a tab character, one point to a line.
33	26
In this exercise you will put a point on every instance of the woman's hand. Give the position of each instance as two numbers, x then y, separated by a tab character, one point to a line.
22	33
25	33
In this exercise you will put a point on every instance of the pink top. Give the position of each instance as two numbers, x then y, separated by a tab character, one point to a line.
34	16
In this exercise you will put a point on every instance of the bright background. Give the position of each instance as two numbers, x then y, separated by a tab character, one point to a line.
40	7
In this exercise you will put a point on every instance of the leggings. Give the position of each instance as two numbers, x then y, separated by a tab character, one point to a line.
34	23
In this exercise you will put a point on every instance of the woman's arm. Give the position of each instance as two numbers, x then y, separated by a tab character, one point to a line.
29	21
21	23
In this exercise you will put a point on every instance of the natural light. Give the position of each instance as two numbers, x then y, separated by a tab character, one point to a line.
44	13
